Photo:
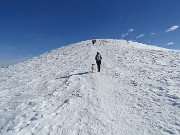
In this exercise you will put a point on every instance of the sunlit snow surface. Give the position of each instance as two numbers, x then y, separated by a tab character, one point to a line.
136	93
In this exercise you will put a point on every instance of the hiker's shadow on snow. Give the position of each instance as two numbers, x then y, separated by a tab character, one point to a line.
75	74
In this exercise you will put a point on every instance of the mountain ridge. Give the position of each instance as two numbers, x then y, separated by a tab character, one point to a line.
128	42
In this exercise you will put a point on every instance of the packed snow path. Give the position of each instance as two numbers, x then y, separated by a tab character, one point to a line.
136	93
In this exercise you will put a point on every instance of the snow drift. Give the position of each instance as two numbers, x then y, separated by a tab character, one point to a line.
137	92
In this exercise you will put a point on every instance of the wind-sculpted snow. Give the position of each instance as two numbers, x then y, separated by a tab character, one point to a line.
136	93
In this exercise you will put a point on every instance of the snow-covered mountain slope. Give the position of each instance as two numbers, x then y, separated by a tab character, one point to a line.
137	92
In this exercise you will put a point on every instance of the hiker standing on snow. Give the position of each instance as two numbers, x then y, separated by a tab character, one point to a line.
93	41
98	61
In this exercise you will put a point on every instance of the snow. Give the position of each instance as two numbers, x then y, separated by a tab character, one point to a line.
136	93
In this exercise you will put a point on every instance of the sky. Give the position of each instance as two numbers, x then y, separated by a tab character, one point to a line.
29	28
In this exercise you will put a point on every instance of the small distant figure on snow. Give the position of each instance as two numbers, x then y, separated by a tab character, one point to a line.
93	41
98	61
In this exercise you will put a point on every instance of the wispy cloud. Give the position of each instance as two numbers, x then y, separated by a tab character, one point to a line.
126	34
152	33
140	36
130	30
173	28
170	43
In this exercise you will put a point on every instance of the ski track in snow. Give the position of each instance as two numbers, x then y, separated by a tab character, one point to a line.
136	92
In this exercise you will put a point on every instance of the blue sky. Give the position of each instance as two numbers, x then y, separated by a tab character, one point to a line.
31	27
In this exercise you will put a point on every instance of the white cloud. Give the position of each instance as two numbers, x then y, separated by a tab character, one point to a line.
130	30
140	36
152	33
170	43
126	34
173	28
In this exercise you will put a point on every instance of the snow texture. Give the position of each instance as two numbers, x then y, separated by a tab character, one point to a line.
136	93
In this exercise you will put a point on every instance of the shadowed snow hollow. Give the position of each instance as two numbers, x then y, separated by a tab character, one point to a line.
137	92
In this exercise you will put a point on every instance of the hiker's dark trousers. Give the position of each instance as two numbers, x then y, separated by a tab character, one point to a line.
98	65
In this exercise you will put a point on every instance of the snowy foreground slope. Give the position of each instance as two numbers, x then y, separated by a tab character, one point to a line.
137	92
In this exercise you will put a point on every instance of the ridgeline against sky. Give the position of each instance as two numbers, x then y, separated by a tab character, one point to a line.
29	28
